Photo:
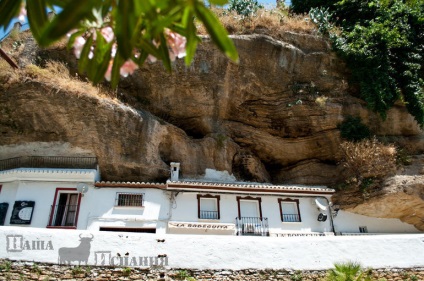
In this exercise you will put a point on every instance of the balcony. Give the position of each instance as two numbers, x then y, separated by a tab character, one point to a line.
63	216
252	226
291	218
209	215
49	162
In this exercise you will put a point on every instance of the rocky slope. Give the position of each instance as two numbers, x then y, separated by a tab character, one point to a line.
271	118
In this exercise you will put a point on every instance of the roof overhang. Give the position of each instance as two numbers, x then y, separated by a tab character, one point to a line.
241	188
249	188
106	184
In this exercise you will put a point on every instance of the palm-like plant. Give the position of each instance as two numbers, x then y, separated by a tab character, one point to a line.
349	271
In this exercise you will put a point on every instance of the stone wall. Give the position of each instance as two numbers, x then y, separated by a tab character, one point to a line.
13	270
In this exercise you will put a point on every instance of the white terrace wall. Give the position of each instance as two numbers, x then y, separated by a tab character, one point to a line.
214	252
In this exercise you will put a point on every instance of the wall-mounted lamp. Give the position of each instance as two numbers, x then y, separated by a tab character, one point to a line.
335	210
322	217
82	187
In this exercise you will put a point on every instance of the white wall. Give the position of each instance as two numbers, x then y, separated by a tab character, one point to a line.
40	192
97	210
8	195
228	252
185	209
350	222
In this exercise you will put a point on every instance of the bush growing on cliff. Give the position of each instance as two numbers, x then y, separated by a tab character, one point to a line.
367	161
382	42
352	129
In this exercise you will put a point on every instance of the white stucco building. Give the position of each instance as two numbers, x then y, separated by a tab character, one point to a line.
76	198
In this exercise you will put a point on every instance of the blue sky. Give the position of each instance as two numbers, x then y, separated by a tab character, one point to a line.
268	3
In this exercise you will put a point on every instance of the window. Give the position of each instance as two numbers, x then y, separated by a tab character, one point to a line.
363	229
249	207
208	207
289	210
129	200
65	208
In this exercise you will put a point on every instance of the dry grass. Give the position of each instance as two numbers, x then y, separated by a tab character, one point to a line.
56	75
271	22
367	159
8	74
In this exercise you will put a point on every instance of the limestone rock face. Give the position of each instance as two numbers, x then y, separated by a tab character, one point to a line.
282	104
130	145
271	118
402	197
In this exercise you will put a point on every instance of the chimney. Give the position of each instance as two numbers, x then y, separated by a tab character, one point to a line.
175	170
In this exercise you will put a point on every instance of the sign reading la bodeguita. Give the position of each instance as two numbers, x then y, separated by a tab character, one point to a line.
197	225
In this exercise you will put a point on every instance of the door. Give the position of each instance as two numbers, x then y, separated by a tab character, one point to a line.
66	209
250	221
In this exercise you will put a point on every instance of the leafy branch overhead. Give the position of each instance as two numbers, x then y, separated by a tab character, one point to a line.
382	43
114	37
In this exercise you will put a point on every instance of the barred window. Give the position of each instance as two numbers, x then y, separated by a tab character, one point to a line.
208	207
289	210
129	199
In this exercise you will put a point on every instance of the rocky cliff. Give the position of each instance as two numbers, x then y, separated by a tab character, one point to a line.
271	118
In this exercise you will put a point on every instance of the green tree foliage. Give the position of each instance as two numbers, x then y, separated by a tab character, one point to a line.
304	6
112	36
352	129
382	42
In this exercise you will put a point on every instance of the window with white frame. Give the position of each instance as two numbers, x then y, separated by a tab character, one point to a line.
129	199
208	207
289	210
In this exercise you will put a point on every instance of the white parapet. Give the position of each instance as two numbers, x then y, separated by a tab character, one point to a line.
209	252
49	174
